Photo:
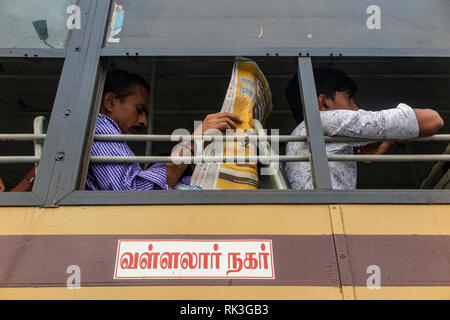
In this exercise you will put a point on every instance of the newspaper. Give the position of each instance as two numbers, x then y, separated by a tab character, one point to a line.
249	97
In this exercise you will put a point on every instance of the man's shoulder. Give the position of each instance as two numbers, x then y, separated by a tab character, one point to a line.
296	147
106	125
336	115
299	130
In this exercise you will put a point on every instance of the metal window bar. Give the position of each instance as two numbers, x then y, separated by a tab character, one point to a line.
177	138
37	137
208	138
320	170
38	128
239	159
435	174
264	158
277	178
444	182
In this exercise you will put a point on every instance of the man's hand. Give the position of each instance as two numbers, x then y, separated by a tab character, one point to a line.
2	186
27	182
374	149
218	121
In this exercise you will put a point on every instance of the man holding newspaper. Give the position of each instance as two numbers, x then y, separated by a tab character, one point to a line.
123	110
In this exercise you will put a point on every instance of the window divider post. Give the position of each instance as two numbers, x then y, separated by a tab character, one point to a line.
316	142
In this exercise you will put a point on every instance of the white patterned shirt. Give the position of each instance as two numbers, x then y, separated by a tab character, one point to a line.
396	123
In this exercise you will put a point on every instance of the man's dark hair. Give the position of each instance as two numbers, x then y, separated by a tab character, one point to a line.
327	81
120	82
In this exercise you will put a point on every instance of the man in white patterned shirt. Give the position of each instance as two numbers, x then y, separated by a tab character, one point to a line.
341	117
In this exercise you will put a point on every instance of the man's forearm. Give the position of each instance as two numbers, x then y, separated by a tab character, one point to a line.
429	121
174	171
26	184
22	186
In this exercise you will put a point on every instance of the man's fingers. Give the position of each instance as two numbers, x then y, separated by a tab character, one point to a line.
221	121
230	123
229	115
223	125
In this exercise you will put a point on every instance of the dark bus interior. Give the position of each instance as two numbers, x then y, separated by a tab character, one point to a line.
27	90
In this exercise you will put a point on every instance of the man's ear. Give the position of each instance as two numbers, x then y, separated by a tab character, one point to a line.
108	102
322	101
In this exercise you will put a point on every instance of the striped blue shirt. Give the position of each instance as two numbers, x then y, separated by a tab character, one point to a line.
122	176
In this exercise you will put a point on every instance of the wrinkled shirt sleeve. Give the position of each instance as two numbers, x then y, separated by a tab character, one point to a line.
396	123
125	176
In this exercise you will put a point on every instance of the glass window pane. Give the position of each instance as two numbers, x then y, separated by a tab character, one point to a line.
200	24
34	24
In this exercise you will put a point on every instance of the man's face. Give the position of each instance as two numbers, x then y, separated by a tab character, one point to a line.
130	114
342	101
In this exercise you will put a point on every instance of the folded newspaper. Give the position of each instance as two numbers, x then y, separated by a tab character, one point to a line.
249	97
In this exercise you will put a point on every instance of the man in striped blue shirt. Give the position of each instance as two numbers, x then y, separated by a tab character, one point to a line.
124	110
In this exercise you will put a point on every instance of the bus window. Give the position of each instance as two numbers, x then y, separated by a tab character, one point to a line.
383	84
185	90
27	92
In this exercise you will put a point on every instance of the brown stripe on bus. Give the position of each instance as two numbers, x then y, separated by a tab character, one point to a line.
42	261
302	260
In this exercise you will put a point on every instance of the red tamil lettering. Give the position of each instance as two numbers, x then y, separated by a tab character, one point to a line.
205	256
169	260
187	260
250	262
129	261
264	256
149	260
236	262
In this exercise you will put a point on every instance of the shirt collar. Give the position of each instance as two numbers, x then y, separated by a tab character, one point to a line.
103	121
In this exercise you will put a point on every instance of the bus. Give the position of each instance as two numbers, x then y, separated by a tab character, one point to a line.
388	239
